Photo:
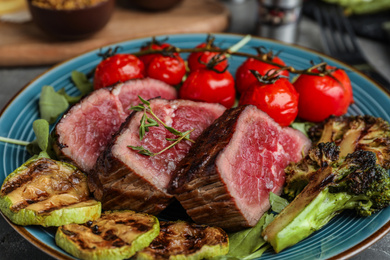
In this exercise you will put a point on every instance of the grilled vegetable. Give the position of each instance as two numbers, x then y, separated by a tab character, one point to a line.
49	193
298	174
182	240
347	134
354	133
357	183
116	235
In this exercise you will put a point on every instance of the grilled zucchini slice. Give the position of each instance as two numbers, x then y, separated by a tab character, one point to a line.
49	193
181	240
115	235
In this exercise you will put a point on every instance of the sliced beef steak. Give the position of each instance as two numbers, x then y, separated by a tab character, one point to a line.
125	179
84	131
226	177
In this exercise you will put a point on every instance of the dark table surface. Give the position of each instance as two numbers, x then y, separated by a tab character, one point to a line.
243	20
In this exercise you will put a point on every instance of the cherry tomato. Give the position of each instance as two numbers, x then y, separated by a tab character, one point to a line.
244	78
147	58
169	69
209	86
321	97
118	68
196	59
279	100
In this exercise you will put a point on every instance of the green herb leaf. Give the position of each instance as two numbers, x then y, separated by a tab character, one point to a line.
42	145
68	98
138	108
171	139
51	104
144	101
174	131
277	203
245	242
257	253
82	83
41	130
141	150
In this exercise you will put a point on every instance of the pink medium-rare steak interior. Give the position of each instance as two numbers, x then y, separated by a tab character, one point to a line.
253	166
183	115
146	88
226	177
124	179
87	127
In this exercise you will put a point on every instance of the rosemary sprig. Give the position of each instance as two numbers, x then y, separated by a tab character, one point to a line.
144	151
147	122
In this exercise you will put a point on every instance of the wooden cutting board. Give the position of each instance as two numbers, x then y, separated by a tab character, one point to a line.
25	45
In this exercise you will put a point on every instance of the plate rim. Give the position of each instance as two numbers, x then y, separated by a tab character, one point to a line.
354	250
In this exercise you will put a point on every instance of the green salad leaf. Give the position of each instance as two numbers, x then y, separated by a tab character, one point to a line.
42	145
277	203
248	241
82	83
51	104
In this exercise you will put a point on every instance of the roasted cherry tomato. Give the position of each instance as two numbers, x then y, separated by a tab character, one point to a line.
118	68
244	78
170	69
321	97
197	60
209	86
147	58
279	100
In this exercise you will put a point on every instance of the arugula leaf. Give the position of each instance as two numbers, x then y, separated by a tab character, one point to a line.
82	83
70	99
277	203
246	242
42	145
51	104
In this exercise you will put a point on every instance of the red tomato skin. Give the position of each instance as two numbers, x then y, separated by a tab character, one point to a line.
118	68
245	78
147	58
321	97
205	57
171	70
279	100
209	86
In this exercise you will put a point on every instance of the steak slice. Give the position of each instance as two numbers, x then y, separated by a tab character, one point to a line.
125	179
226	177
84	131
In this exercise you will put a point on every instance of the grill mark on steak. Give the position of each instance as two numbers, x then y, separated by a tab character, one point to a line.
209	181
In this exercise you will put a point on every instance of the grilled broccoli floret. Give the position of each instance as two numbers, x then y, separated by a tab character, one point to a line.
354	133
298	174
349	133
356	182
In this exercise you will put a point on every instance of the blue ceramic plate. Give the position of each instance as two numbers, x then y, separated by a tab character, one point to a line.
344	236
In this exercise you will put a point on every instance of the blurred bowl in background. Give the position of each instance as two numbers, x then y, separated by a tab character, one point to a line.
72	24
155	5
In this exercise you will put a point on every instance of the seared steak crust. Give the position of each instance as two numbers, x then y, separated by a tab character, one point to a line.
126	189
226	177
197	183
124	179
85	130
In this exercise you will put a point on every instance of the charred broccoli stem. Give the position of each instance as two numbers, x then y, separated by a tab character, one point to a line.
354	133
298	174
356	182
